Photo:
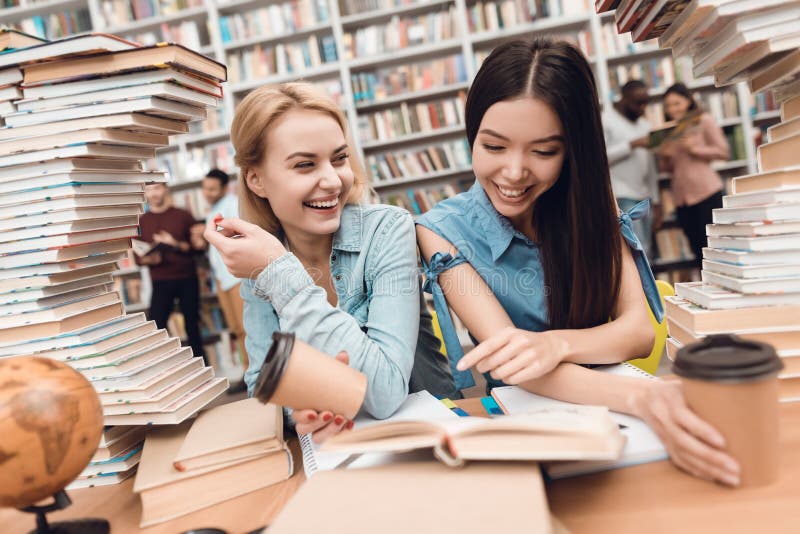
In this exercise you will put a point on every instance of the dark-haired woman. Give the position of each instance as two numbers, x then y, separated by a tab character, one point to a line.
535	258
696	187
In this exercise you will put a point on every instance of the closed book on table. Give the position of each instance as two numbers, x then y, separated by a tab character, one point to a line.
167	493
233	431
403	498
704	321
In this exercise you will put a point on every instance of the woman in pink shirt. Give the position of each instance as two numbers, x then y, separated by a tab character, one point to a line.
696	187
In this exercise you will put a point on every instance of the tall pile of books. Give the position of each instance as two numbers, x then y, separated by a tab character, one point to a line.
751	267
89	110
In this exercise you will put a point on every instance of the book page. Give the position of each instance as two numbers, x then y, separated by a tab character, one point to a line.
419	406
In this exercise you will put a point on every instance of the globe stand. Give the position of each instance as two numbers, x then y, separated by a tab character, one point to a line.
75	526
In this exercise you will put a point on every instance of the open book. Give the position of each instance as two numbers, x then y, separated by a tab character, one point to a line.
642	445
143	248
551	433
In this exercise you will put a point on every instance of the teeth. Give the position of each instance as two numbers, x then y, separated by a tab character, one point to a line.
328	204
513	193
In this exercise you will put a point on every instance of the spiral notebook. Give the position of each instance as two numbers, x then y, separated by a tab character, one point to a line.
642	444
417	406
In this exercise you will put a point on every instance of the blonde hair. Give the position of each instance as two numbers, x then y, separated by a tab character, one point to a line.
253	117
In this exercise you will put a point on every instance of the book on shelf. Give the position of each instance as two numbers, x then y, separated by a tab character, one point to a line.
273	20
167	493
122	12
236	431
402	32
394	80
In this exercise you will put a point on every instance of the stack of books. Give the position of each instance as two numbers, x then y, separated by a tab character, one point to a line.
10	78
751	267
92	108
227	451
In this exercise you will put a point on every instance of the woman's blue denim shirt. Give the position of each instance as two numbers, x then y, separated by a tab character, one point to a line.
508	262
380	320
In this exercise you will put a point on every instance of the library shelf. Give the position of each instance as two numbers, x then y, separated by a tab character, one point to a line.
412	96
384	15
413	138
149	23
269	39
382	185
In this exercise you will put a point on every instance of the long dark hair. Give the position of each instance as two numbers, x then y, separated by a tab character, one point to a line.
575	220
680	90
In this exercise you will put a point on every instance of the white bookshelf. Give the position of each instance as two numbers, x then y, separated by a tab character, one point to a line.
207	18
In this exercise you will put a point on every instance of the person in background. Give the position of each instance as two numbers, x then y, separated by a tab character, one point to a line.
172	267
215	191
634	177
696	187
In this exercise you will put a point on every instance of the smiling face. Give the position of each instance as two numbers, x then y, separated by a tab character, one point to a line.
518	155
305	173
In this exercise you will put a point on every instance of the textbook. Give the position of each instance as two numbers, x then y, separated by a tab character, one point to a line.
46	285
54	166
420	497
714	297
782	285
143	248
71	227
782	130
66	202
776	270
10	76
180	410
674	130
69	215
703	321
136	122
151	105
24	307
83	177
163	398
94	135
165	90
11	38
231	432
778	154
754	229
156	383
756	198
167	493
755	244
116	347
65	240
101	347
552	433
141	375
61	48
158	74
764	212
99	280
127	358
785	340
171	54
641	443
88	150
744	257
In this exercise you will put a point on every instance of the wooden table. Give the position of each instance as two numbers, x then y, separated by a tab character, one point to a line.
652	498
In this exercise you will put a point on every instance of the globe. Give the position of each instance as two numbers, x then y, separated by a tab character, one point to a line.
51	421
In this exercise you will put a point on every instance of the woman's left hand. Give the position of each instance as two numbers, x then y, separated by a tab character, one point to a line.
245	248
515	356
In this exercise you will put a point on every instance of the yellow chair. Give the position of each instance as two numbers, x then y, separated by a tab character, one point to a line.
650	363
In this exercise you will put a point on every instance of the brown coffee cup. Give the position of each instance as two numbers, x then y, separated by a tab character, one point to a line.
298	376
732	384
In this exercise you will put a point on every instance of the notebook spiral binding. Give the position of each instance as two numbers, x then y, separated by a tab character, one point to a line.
309	458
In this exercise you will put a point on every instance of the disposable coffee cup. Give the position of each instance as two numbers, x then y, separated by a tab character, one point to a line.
732	384
299	376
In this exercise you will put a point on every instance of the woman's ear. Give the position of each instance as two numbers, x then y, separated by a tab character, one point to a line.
253	180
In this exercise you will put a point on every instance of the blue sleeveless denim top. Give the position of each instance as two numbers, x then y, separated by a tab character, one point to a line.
508	262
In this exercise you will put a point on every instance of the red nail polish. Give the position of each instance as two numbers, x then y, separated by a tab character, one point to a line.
312	417
339	420
218	218
327	417
350	425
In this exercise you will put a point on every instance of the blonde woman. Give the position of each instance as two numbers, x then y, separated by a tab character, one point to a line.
316	261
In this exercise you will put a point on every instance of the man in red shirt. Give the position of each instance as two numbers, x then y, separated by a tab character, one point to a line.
172	267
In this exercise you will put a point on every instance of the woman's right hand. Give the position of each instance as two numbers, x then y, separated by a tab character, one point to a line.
693	445
321	425
246	249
